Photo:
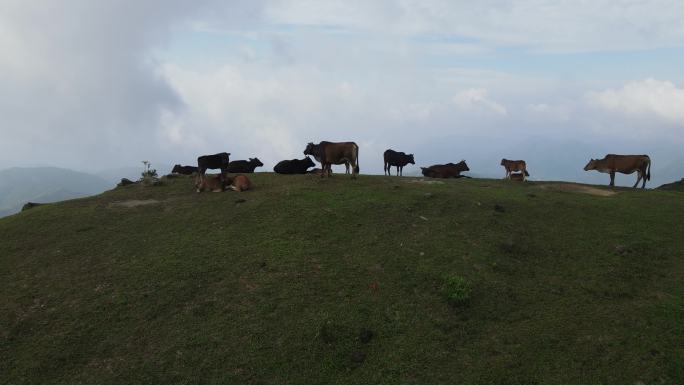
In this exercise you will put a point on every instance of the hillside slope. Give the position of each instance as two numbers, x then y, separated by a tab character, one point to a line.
312	281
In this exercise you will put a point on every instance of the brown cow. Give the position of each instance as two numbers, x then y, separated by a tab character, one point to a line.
329	153
213	183
240	183
448	170
514	165
625	164
518	176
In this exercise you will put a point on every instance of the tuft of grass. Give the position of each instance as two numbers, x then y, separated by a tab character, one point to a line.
457	290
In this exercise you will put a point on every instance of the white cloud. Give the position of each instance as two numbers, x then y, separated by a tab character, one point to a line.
558	26
646	97
478	99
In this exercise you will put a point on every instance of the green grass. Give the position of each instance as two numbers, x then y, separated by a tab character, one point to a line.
567	288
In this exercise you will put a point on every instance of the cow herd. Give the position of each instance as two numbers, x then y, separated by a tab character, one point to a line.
347	153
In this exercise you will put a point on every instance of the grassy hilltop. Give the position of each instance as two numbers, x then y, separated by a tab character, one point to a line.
312	281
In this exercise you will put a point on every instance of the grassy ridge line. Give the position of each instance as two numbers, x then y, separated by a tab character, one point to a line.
567	288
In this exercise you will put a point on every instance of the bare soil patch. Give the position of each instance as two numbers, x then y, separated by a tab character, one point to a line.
425	181
578	188
134	203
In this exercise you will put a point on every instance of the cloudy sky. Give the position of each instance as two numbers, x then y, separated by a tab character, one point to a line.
103	84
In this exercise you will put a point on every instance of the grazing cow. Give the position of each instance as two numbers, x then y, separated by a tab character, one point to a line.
514	165
518	176
448	170
220	160
294	166
244	166
398	159
625	164
239	183
184	170
329	153
213	183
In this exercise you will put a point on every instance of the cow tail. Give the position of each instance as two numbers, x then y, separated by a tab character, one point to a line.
356	168
648	173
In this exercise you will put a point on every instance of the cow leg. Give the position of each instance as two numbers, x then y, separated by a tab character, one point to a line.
384	168
643	177
401	171
638	179
612	179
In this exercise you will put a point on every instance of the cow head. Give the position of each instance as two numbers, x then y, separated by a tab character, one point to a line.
176	168
591	165
309	162
256	162
309	149
410	159
503	161
427	171
463	166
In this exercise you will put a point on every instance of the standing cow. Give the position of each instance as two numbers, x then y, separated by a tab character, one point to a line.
329	153
398	159
625	164
220	160
514	165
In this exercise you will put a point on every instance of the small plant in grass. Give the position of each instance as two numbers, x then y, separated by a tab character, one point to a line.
457	290
149	175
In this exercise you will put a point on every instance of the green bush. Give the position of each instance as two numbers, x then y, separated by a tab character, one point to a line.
457	290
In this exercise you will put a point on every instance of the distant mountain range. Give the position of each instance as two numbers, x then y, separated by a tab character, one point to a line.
19	185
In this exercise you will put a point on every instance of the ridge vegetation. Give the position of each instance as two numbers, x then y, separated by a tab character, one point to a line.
336	281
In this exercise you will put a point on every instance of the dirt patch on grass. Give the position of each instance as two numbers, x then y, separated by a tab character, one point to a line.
578	188
133	203
425	181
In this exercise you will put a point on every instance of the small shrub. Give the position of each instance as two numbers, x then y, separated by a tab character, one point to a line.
149	176
457	290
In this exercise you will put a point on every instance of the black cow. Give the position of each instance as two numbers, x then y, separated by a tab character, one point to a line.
398	159
294	166
448	170
220	160
185	170
244	166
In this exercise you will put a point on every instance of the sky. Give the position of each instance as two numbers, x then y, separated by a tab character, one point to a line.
92	85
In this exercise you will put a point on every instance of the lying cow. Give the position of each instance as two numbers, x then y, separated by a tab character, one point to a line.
213	183
239	183
184	170
517	176
398	159
220	160
244	166
514	165
625	164
293	166
448	170
329	153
